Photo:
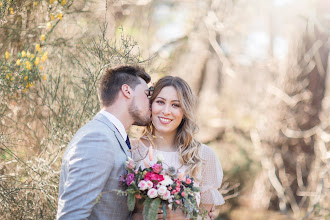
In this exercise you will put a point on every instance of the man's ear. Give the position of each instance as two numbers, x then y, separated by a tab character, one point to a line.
126	90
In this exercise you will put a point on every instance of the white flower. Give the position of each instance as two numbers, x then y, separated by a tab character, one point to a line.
160	157
149	184
170	206
152	193
143	185
162	190
167	181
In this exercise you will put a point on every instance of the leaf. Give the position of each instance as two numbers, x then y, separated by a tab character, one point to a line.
146	208
153	211
131	201
164	210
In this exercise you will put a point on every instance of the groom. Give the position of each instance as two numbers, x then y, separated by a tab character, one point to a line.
95	157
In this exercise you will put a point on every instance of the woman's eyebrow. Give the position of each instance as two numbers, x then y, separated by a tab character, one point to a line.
165	99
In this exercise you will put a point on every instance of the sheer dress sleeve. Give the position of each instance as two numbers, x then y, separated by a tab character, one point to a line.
138	151
212	175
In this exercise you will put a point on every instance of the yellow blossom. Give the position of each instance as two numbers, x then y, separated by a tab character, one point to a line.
32	56
63	2
28	54
18	62
23	53
25	89
7	55
35	3
8	75
52	17
59	16
28	65
51	2
44	57
41	67
11	11
38	47
44	77
25	78
37	61
49	26
42	37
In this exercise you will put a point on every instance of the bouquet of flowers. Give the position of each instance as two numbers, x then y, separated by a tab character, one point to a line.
155	186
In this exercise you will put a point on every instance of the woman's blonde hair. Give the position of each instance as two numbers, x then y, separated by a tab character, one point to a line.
188	147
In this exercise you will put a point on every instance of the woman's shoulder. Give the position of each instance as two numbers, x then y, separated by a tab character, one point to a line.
206	150
139	149
138	143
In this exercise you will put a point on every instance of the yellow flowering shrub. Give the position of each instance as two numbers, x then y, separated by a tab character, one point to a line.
19	71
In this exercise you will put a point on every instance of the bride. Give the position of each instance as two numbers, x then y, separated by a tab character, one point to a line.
171	134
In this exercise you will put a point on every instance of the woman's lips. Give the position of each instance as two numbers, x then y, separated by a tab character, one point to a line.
164	120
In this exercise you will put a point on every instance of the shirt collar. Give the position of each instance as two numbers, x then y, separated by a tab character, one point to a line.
120	127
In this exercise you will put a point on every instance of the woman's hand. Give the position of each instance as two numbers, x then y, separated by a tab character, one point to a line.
171	215
211	214
210	209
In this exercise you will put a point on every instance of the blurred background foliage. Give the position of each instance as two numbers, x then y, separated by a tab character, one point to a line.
259	69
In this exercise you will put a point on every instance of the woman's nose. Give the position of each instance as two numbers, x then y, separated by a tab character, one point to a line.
166	110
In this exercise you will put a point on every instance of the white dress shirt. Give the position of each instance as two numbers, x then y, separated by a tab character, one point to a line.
116	123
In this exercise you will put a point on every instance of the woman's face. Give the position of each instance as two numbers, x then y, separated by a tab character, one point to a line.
166	111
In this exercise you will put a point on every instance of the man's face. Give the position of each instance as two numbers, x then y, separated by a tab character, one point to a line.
140	105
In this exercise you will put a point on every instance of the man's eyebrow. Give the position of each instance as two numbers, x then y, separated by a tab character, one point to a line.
165	99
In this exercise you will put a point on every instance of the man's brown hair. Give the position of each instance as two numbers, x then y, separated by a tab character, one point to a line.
114	78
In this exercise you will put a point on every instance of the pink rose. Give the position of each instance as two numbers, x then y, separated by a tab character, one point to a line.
149	184
143	185
177	202
152	193
167	195
157	168
162	190
183	194
153	177
188	181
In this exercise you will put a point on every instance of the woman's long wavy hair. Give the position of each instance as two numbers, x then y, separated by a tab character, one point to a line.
187	146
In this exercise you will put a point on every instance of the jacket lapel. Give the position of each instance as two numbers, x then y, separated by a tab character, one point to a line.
100	117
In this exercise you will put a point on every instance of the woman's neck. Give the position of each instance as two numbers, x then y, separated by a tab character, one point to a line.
165	142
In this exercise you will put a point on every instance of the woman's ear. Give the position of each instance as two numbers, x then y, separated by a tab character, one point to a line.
126	90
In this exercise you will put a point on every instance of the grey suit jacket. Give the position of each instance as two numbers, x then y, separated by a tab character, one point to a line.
91	167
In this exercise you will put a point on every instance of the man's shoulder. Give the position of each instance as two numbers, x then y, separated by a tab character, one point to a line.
98	123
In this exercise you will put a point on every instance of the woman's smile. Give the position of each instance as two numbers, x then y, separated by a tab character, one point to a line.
164	120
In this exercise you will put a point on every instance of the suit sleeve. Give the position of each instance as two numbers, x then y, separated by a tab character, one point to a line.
88	163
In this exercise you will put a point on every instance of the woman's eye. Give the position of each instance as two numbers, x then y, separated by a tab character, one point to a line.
159	102
176	105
